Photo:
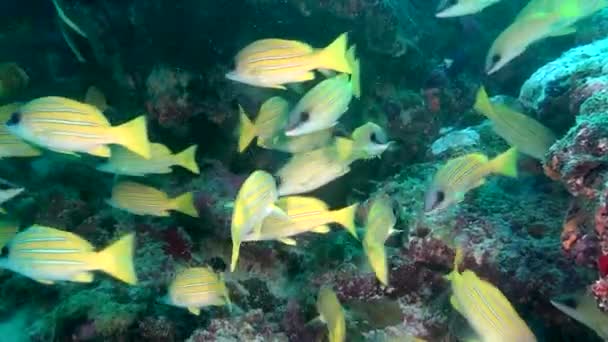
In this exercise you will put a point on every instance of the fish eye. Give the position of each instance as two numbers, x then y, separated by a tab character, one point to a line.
374	138
14	119
495	58
4	252
440	196
304	116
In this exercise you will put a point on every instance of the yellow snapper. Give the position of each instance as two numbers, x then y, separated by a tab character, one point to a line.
486	308
8	230
301	143
304	214
459	8
13	79
519	130
587	313
271	118
255	200
322	106
127	163
197	287
370	141
380	223
332	314
10	144
459	175
48	255
141	199
271	63
68	126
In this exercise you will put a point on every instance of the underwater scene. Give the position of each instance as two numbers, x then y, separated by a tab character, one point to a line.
304	170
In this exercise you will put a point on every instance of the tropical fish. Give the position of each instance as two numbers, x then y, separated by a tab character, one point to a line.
141	199
197	287
304	214
13	79
380	223
69	126
486	308
127	163
370	141
48	255
11	145
331	313
255	200
587	313
519	130
459	175
271	63
459	8
272	117
8	230
301	143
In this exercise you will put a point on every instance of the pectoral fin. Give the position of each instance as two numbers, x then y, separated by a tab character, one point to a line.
288	241
195	311
321	229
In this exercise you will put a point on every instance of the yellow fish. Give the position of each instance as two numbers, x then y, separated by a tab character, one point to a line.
459	175
459	8
141	199
301	143
69	126
255	200
304	214
127	163
486	308
11	145
8	230
271	118
521	131
332	314
381	220
271	63
48	255
370	141
13	79
197	287
587	313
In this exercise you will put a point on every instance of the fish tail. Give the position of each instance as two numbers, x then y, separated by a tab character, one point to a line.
334	56
236	246
185	204
483	104
187	159
355	80
376	255
117	259
346	218
134	136
506	163
246	130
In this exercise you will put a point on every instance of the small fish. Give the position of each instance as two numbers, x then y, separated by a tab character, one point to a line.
8	230
331	313
11	145
459	175
271	119
304	214
127	163
459	8
255	200
587	313
141	199
69	126
271	63
486	308
197	287
301	143
48	255
370	141
13	79
381	220
521	131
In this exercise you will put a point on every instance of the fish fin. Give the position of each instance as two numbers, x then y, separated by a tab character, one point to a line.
246	130
355	80
376	255
185	204
506	163
187	159
44	281
278	212
564	32
100	151
324	229
236	246
134	136
96	98
483	104
346	218
344	148
67	20
288	241
117	259
83	277
455	304
195	311
334	56
257	230
458	257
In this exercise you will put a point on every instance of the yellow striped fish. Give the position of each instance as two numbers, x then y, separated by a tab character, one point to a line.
486	308
272	117
255	200
586	312
69	126
380	223
370	141
519	130
141	199
304	214
8	230
301	143
459	175
127	163
197	287
271	63
332	314
10	144
48	255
